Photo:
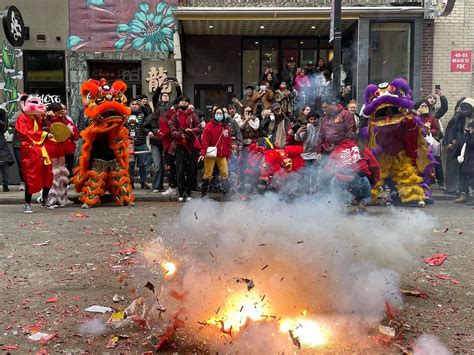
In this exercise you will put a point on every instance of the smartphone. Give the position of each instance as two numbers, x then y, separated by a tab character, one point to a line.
438	87
172	78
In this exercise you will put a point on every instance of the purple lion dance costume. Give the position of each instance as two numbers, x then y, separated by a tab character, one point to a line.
396	136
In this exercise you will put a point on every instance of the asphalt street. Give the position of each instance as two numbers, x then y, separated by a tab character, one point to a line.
57	263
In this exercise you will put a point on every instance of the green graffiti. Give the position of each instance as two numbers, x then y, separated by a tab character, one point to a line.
10	75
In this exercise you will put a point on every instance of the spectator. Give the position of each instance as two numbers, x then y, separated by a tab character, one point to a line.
16	145
138	135
431	131
310	70
449	145
285	98
303	114
466	161
301	120
275	125
6	159
463	127
271	78
74	139
307	134
346	96
352	108
249	127
302	82
433	99
322	67
164	134
246	100
216	135
185	130
237	144
288	74
152	126
335	126
145	106
263	98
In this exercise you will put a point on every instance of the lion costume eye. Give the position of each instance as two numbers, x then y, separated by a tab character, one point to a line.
89	97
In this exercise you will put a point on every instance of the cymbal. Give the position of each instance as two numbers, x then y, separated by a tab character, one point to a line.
60	131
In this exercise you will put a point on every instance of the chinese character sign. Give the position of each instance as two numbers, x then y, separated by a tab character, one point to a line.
156	78
461	61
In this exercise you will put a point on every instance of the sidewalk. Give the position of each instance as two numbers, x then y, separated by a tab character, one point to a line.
14	196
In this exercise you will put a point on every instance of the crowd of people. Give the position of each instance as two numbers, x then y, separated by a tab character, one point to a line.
176	143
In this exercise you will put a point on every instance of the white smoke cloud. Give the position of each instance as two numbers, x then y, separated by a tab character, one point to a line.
309	255
428	344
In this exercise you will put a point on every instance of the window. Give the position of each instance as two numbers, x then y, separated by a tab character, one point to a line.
390	51
250	62
44	75
270	54
308	51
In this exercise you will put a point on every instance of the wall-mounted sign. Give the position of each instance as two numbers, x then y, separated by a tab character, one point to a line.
13	25
461	61
437	8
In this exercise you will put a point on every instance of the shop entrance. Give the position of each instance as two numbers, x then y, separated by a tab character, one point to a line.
208	95
129	72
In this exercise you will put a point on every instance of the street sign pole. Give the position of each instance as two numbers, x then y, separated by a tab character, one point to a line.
336	38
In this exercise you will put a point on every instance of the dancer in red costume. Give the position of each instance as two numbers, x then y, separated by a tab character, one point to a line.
35	162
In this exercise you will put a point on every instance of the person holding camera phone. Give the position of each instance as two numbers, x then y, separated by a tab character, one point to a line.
137	135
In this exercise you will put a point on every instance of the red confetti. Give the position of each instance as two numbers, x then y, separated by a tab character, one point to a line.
436	259
80	215
180	296
127	251
52	299
442	277
10	347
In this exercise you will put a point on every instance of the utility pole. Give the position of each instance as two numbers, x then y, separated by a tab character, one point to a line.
336	38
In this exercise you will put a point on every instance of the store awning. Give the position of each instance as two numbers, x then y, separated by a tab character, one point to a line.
287	21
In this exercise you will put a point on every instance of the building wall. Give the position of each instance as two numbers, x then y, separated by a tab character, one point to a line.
212	60
453	32
427	58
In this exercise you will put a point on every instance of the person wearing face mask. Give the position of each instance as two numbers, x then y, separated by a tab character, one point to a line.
185	130
263	98
285	98
216	134
462	131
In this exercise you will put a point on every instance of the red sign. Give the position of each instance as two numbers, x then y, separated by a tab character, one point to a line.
461	61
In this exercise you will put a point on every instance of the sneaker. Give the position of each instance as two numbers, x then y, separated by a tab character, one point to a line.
48	205
189	198
155	191
169	192
22	186
180	199
145	186
85	206
27	208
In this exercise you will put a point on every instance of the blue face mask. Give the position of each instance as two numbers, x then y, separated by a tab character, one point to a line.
218	118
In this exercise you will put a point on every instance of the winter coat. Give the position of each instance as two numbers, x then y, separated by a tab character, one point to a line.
152	124
164	131
179	122
309	139
334	128
346	162
140	132
217	135
266	99
428	118
285	99
235	132
16	139
301	82
5	156
467	166
442	110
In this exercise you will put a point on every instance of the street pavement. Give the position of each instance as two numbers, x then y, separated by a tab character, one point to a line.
57	263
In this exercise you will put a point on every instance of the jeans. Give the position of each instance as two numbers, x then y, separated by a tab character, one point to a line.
185	169
142	160
359	187
157	167
170	167
17	153
5	174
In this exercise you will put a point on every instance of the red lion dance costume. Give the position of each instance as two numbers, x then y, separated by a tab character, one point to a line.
103	165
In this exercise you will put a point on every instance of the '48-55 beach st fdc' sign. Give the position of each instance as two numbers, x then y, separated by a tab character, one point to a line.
13	25
461	61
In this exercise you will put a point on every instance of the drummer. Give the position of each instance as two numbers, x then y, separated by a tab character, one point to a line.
65	133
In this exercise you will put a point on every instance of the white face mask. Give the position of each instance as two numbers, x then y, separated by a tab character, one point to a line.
272	117
263	87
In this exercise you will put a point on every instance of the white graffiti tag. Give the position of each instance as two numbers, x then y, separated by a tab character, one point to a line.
16	27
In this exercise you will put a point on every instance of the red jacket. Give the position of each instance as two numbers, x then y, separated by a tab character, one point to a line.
180	121
164	132
334	129
216	134
434	125
67	147
346	162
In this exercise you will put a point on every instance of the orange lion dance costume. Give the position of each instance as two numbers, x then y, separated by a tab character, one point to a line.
103	165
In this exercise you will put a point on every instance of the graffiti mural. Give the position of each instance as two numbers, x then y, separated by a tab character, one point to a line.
10	77
121	25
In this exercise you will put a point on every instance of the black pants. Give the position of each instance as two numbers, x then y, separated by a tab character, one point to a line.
439	171
465	181
170	166
185	170
69	159
28	195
